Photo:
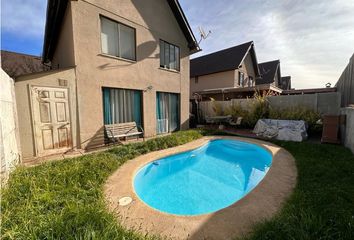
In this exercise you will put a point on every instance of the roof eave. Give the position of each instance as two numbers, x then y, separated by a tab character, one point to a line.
185	27
54	18
252	51
56	10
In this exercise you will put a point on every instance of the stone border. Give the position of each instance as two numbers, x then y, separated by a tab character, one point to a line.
261	203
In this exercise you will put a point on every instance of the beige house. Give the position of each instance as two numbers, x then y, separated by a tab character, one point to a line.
235	73
231	68
112	62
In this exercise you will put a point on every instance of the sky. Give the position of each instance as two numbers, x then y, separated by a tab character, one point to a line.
313	39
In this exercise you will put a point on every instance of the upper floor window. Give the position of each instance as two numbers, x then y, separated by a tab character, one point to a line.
169	56
117	39
241	79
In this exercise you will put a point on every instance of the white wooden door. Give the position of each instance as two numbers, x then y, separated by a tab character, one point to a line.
51	120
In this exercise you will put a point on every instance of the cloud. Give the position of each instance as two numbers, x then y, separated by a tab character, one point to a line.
23	18
313	39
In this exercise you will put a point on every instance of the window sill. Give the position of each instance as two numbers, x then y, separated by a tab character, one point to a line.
117	58
169	70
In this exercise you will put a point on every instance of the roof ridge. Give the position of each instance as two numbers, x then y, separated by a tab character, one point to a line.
277	60
225	49
19	53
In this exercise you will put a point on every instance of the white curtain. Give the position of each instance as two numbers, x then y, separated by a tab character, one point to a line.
167	112
109	37
122	104
127	42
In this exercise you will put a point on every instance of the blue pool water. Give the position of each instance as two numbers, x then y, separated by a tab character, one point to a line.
203	180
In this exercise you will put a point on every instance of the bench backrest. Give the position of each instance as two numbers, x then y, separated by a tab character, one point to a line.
121	128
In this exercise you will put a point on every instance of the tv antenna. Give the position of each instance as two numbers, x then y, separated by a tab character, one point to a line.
203	35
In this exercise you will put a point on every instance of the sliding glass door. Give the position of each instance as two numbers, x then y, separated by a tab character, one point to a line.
167	112
121	105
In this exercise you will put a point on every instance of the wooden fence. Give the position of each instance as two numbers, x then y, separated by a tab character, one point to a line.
345	84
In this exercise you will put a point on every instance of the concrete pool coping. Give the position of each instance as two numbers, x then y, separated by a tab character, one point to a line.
236	220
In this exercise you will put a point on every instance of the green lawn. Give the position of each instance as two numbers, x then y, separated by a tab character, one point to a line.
63	200
322	205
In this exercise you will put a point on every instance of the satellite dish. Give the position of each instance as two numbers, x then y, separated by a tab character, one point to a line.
203	35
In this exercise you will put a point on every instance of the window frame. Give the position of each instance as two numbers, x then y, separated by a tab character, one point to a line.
126	89
118	44
176	60
241	84
179	111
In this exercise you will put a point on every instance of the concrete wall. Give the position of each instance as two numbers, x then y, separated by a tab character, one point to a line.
9	136
22	89
324	103
153	20
345	84
347	131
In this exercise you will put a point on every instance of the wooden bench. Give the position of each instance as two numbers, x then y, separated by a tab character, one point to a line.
123	130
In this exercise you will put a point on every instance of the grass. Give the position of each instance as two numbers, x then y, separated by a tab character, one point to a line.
322	204
64	200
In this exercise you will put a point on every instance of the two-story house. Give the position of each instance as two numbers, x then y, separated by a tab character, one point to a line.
285	83
234	73
221	74
112	62
270	73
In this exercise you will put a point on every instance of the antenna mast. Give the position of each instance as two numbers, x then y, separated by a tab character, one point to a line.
203	36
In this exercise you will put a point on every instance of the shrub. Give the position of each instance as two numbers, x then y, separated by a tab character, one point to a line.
298	113
236	110
260	109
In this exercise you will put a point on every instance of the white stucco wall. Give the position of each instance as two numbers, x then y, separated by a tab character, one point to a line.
9	144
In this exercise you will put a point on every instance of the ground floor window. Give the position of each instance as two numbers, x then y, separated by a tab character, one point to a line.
167	112
121	105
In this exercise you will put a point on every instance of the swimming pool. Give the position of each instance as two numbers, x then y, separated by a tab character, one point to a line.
202	180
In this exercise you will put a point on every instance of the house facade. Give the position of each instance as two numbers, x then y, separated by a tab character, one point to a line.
235	73
112	62
235	67
270	73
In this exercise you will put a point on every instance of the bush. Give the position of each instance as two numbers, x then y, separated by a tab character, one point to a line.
298	113
260	109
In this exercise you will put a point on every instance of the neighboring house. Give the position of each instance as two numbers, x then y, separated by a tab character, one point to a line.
17	64
285	83
270	73
235	73
231	68
112	62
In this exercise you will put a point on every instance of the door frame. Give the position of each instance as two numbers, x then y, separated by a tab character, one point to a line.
31	103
